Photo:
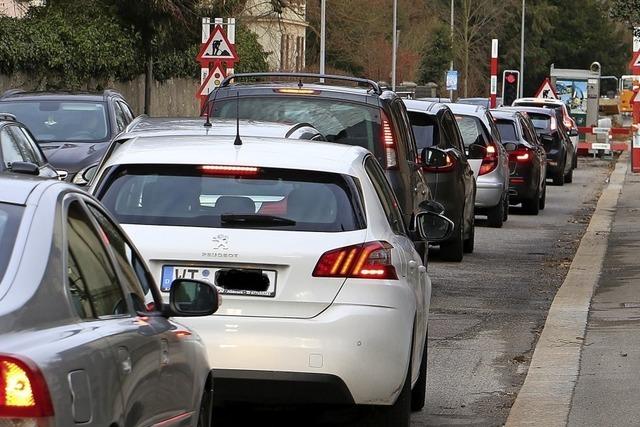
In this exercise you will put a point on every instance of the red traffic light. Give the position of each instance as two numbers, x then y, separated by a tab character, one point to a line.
510	78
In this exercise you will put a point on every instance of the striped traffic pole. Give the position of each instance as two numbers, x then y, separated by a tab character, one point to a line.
494	73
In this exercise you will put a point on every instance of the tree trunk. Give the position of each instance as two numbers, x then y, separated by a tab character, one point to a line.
148	82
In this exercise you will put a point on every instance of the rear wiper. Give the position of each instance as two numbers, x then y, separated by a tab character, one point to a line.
254	219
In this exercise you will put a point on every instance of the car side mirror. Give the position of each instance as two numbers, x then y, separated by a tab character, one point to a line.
546	138
192	298
431	206
510	146
573	132
26	168
477	151
434	227
85	176
433	157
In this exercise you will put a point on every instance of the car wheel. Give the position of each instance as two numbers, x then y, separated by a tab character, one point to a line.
453	250
532	205
506	208
558	179
569	177
398	414
206	408
495	215
575	160
543	199
419	392
470	241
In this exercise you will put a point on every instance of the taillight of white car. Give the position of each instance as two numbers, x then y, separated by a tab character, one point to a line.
370	260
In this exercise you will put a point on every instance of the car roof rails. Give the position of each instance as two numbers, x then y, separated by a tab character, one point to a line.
11	92
373	85
8	117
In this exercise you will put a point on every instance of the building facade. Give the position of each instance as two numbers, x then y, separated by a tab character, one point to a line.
281	32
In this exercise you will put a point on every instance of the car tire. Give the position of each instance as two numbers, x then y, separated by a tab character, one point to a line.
453	249
495	215
558	179
205	414
419	392
506	207
532	206
398	414
469	242
568	178
575	160
543	199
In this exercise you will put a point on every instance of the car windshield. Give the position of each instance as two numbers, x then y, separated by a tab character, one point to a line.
9	219
470	128
61	121
507	130
338	121
215	196
540	121
425	129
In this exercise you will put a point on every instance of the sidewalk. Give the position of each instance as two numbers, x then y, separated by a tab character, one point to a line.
607	392
576	352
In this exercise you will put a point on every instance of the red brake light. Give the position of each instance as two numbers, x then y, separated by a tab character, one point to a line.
371	260
23	390
228	170
521	155
490	160
388	142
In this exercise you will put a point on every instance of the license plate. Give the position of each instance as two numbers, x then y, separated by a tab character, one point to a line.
229	281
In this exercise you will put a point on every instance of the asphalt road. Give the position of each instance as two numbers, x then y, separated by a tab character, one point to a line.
486	315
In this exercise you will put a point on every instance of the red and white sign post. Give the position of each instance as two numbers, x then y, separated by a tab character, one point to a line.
494	73
217	55
634	66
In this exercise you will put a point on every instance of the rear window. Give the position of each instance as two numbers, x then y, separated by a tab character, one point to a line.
470	128
540	121
507	130
338	121
264	198
9	219
425	129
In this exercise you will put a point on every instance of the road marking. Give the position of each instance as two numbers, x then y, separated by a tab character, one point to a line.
545	396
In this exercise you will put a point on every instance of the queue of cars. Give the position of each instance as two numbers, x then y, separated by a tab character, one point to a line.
310	206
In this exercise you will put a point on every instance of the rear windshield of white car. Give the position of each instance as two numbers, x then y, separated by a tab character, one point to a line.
507	130
540	121
216	196
338	121
9	219
62	121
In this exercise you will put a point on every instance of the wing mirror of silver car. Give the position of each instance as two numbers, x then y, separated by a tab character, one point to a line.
434	227
85	175
192	298
431	206
476	151
433	157
573	132
510	146
26	168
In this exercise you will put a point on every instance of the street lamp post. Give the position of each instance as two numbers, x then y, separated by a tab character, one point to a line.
395	45
522	51
323	24
451	64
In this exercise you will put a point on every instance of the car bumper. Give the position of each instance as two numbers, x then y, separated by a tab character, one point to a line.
349	353
488	194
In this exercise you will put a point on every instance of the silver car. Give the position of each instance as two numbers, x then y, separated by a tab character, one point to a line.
492	172
79	345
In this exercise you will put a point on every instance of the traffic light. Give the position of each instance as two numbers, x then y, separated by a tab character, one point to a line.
510	86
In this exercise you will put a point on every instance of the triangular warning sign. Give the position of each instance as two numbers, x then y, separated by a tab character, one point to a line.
634	65
217	47
636	97
546	90
212	81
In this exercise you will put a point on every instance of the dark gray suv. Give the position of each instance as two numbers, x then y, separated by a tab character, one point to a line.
364	114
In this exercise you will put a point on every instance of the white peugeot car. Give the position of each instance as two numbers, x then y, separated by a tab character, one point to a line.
325	299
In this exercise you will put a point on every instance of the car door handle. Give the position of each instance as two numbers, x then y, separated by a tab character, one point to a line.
413	265
125	360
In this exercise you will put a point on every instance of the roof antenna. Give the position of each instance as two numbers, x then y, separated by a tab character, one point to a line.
300	83
209	105
207	124
237	141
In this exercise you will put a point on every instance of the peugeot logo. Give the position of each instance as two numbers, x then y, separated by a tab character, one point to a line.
221	241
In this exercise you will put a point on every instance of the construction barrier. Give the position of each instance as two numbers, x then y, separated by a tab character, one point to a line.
603	140
635	150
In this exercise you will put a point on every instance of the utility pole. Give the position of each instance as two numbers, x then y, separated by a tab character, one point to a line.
451	65
323	35
395	45
522	52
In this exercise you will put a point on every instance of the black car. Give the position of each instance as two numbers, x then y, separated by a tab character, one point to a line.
18	151
366	115
452	182
527	160
73	128
556	142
